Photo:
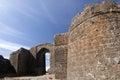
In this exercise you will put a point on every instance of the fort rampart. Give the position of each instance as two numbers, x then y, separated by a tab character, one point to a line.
90	50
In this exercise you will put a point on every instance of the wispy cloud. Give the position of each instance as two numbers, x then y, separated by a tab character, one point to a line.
47	68
19	6
27	9
5	53
47	12
11	46
7	47
33	12
4	29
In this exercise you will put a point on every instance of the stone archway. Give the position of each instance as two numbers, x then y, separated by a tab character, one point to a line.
41	61
38	53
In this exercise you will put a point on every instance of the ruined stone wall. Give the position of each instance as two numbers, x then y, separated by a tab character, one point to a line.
20	61
32	62
94	44
61	50
14	60
89	51
23	62
50	48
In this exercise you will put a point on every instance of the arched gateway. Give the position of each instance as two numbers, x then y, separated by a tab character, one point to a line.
38	53
89	51
32	62
41	61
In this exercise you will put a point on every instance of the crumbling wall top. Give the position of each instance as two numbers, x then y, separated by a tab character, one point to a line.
37	48
61	39
94	10
17	52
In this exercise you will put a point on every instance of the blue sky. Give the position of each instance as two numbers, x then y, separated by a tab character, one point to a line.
27	23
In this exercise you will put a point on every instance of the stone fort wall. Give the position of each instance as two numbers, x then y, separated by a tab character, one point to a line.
61	51
94	44
32	62
89	51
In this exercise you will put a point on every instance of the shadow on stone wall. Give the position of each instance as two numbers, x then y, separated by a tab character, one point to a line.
28	65
6	69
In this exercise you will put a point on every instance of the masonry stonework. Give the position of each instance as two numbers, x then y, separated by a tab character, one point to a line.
94	44
90	50
42	49
61	50
20	59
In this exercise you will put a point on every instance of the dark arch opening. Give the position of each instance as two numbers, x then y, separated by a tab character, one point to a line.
41	61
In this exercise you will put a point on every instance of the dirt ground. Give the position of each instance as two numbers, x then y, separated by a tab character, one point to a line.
44	77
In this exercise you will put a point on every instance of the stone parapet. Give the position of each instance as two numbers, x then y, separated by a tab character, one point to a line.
93	49
94	10
61	39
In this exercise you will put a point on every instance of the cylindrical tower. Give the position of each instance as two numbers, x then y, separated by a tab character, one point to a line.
94	43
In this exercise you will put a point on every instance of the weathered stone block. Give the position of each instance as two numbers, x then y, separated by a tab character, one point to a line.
61	39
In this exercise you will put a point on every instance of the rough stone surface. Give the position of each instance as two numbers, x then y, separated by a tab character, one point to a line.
32	62
39	54
94	44
22	63
6	69
90	50
61	50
